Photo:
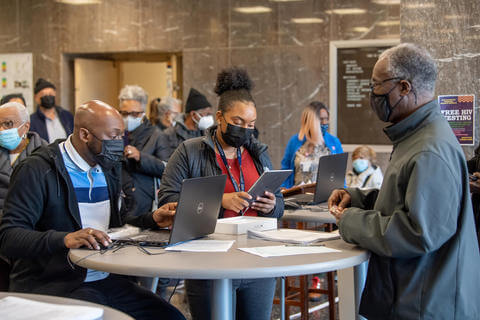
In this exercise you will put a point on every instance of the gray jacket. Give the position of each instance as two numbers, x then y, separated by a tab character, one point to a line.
6	168
172	137
419	227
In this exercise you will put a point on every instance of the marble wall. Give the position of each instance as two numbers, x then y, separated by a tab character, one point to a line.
450	30
288	61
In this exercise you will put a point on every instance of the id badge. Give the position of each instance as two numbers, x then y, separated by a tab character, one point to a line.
306	165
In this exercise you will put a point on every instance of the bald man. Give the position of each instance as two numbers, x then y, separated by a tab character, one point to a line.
66	195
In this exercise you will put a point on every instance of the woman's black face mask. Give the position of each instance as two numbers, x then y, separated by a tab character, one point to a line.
236	136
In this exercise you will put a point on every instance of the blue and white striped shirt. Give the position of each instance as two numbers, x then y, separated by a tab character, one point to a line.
92	195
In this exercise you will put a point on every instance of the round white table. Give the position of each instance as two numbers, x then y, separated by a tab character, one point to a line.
108	313
221	267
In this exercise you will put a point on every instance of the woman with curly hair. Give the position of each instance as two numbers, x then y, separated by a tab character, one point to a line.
228	148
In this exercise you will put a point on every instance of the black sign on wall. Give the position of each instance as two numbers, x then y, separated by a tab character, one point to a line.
357	123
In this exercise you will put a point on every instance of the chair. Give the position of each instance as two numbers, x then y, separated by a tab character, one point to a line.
298	295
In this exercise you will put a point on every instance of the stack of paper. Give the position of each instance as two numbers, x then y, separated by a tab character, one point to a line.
123	232
14	308
278	251
202	246
292	235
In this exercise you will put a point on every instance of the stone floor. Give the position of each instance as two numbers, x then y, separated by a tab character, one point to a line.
320	307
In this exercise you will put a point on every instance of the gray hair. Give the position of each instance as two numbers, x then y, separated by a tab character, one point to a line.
134	93
163	108
413	63
22	111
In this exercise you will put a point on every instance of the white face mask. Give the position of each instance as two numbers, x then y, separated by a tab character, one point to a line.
132	123
205	122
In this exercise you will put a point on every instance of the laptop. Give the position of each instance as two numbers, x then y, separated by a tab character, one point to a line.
330	176
196	214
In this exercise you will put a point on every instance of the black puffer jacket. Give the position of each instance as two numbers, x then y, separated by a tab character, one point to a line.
6	168
196	158
41	208
146	138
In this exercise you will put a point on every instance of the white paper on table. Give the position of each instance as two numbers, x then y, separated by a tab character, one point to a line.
203	246
14	308
292	235
278	251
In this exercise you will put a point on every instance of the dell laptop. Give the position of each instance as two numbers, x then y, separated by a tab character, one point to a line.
196	215
330	176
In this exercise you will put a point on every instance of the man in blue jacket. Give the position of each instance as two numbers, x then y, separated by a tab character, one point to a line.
50	121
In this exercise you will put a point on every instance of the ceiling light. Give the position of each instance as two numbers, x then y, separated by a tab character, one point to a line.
419	5
360	29
307	20
452	17
388	23
256	9
387	2
346	11
285	0
79	2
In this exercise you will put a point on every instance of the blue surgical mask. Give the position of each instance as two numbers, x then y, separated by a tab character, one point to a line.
324	128
132	123
9	139
360	165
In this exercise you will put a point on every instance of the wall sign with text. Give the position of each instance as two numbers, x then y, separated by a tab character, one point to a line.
459	112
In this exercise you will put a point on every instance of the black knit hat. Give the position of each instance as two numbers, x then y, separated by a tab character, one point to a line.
42	84
196	101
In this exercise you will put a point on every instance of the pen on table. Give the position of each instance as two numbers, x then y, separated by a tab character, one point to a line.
305	245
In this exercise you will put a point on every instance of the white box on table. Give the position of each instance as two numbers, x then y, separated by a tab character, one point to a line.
240	225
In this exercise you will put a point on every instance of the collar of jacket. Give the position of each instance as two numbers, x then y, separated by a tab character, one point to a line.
41	115
414	122
182	130
254	146
142	130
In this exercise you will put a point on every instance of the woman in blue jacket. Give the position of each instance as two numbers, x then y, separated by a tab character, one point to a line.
312	142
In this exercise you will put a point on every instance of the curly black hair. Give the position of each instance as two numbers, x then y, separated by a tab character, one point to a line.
233	84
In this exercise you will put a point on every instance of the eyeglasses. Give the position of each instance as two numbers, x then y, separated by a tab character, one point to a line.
374	84
134	114
7	124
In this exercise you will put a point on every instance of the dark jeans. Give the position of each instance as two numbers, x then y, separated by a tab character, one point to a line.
120	293
254	298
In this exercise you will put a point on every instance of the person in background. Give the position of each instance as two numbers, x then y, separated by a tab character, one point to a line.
76	196
198	117
164	115
14	97
50	121
16	142
419	226
304	149
143	167
228	148
365	174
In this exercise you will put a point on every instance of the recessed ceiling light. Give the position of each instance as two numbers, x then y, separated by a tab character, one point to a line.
360	29
255	9
307	20
452	16
79	2
419	5
346	11
286	0
388	23
386	2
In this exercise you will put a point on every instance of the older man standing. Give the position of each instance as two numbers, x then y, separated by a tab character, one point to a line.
143	167
74	199
419	226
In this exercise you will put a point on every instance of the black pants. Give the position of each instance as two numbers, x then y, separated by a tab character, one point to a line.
120	293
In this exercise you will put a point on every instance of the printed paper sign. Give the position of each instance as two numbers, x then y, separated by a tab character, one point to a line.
459	112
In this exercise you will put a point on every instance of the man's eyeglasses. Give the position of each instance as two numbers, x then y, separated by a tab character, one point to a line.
374	84
7	124
134	114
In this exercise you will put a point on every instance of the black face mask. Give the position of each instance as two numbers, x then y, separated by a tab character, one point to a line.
380	104
47	102
237	136
112	153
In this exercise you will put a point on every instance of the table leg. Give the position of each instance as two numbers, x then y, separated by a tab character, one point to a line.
222	299
282	298
349	296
